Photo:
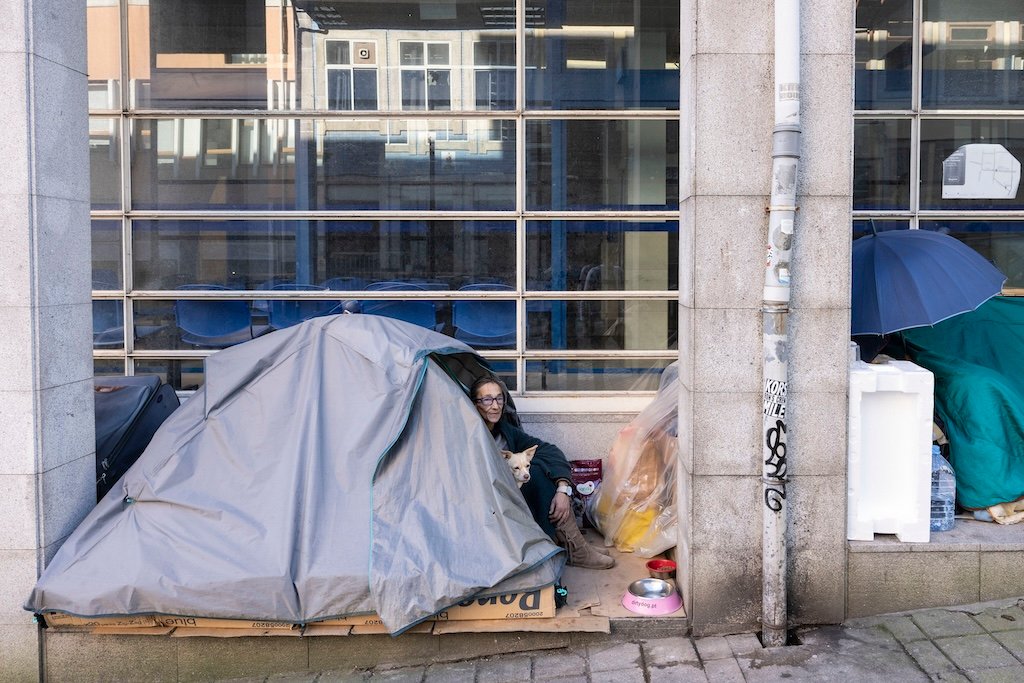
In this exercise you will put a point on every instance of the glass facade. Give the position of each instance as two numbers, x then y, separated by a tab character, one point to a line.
503	172
939	130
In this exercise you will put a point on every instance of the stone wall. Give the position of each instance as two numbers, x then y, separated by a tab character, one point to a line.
725	168
46	419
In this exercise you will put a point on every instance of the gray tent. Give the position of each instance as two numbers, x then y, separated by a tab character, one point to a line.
330	469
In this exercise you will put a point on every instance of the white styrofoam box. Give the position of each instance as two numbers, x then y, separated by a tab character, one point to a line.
888	483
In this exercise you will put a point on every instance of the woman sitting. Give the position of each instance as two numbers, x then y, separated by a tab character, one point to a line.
549	490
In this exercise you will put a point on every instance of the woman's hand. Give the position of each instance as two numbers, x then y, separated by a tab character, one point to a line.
561	509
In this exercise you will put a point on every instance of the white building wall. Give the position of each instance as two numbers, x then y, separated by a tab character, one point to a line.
727	74
46	415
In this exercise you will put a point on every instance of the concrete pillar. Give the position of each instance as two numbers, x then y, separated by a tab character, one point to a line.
47	470
725	168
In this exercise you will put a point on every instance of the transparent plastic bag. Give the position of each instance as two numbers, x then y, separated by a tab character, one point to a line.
634	507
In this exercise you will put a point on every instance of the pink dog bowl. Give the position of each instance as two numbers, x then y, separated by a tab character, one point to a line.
652	597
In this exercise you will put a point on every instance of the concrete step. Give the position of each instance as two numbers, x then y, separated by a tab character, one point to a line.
971	563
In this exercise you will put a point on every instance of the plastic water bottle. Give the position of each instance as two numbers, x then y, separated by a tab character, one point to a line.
943	492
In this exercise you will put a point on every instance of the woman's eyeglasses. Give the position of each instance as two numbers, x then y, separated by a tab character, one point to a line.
487	401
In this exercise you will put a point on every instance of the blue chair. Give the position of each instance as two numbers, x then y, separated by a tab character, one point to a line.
284	313
424	283
386	285
261	306
212	324
422	313
344	284
107	323
484	323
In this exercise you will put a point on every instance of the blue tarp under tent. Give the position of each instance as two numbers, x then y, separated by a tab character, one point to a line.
978	362
330	469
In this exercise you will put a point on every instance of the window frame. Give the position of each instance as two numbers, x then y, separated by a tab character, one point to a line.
919	116
351	68
127	120
425	69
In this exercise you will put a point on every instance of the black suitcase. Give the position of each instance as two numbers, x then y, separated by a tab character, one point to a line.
128	412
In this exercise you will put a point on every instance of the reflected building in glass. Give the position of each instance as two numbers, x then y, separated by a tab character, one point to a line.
467	154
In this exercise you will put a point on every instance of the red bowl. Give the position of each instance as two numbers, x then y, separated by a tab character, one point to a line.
661	569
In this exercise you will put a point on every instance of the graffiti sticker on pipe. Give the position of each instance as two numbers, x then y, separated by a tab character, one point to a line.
775	398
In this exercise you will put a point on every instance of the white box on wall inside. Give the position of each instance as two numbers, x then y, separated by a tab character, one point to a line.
888	482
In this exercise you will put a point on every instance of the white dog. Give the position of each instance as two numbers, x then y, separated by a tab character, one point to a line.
520	464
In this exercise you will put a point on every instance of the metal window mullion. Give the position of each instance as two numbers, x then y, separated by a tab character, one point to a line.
520	41
591	354
168	354
916	54
564	354
127	270
520	127
1000	216
376	114
974	114
662	214
520	245
320	295
601	295
128	275
874	114
108	354
222	215
349	114
392	295
915	168
915	107
580	355
587	401
341	215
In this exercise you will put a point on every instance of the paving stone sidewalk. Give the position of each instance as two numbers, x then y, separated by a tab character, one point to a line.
982	643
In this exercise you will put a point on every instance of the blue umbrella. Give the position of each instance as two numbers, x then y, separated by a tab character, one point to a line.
913	278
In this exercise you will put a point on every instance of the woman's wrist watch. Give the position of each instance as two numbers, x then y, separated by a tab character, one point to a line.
564	488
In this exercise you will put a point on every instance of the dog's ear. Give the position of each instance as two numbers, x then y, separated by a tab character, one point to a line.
506	454
530	452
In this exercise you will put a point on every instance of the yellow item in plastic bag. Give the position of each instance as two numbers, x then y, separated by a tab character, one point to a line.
633	528
634	506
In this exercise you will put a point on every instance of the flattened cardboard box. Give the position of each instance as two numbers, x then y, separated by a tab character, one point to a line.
61	620
200	622
538	604
231	632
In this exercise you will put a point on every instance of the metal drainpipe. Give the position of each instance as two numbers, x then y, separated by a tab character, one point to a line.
775	311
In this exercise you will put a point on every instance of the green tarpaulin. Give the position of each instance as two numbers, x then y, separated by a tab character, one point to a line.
978	362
